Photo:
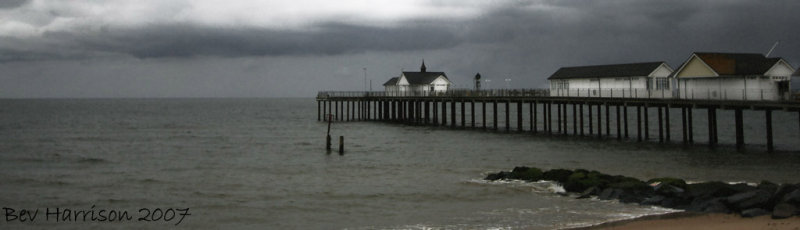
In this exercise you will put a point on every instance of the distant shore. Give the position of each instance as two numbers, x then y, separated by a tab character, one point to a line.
691	220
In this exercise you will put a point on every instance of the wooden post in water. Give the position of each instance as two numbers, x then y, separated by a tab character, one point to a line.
691	124
625	119
341	145
639	123
453	114
574	119
444	113
591	126
531	115
566	119
519	116
494	111
549	117
646	123
319	116
619	126
599	121
770	146
666	122
508	117
683	125
324	109
660	125
472	111
558	119
483	111
739	128
435	117
608	121
463	119
710	122
535	116
581	116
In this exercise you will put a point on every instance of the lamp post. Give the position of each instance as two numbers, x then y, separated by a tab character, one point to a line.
365	78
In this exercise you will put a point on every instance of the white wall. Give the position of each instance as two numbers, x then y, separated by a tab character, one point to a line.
733	88
610	87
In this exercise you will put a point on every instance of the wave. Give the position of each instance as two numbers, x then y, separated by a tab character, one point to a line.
92	160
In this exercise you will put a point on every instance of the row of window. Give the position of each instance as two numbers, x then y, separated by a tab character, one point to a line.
660	83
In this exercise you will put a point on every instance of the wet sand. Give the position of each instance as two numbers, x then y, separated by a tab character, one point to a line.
701	221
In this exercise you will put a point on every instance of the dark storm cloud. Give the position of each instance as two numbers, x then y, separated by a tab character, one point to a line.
591	27
189	40
12	3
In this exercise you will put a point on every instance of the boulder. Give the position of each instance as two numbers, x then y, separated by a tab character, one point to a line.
783	210
714	205
589	192
653	200
749	200
526	173
713	189
610	193
559	175
792	197
680	183
668	190
580	181
768	186
753	212
496	176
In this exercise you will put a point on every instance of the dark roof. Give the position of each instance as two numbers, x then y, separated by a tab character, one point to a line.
796	73
602	71
737	63
420	78
391	81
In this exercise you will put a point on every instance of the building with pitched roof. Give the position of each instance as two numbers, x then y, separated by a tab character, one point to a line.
420	83
734	76
643	80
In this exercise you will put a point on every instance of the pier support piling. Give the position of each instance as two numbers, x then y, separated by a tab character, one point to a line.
770	146
519	116
508	116
660	125
639	123
739	129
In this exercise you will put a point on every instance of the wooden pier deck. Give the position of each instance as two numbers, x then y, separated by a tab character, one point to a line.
590	116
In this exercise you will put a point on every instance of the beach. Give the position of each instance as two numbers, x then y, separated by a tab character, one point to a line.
684	220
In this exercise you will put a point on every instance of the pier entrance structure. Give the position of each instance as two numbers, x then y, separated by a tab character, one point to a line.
536	111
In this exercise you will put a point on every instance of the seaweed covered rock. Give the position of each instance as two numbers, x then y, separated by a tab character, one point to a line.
663	181
526	173
781	201
558	175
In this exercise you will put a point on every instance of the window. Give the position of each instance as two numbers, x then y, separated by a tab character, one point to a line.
662	83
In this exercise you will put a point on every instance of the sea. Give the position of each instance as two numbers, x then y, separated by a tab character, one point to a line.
262	164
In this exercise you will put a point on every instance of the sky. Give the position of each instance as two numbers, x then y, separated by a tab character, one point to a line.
265	48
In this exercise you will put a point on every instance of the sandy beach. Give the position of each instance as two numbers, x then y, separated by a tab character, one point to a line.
700	221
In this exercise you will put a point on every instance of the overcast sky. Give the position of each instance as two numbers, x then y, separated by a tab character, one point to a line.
258	48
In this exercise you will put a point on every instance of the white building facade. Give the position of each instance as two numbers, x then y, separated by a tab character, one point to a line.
734	76
634	80
422	83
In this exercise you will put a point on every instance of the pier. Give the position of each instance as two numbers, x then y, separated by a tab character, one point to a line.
590	116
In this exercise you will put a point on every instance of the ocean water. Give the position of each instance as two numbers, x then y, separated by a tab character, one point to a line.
261	164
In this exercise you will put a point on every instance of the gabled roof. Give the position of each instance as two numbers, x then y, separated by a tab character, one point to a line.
737	63
602	71
391	81
421	78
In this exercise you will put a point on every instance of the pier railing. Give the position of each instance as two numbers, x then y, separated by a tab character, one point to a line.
448	93
686	94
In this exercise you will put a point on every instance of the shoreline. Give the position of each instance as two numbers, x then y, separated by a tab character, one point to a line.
696	220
